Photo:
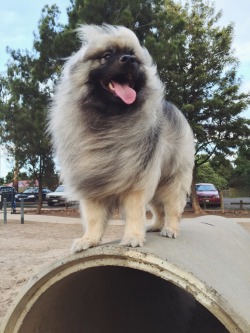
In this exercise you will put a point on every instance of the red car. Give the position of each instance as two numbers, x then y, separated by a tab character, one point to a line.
207	194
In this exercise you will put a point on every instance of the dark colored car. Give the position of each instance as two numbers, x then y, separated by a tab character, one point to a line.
32	194
207	194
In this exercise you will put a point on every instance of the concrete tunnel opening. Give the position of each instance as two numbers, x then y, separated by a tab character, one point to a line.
111	299
198	283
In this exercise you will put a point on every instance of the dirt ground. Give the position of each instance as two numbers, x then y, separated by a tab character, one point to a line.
25	249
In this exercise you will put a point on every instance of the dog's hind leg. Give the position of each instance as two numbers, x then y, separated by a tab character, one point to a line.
135	212
157	222
94	218
174	204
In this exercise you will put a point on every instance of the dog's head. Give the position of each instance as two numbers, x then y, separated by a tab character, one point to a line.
118	78
112	65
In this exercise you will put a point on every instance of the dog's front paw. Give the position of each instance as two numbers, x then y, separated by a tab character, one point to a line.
169	232
133	240
82	244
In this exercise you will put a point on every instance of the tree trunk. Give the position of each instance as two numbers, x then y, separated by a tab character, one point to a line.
15	176
195	203
40	196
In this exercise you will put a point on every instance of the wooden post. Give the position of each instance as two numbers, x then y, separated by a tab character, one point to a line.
222	206
22	211
4	210
241	204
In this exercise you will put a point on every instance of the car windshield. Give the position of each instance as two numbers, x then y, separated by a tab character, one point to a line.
31	190
60	189
205	187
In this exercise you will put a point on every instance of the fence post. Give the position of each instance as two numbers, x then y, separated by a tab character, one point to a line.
241	204
22	211
4	210
222	206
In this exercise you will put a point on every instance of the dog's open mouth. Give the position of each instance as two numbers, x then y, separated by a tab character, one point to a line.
123	89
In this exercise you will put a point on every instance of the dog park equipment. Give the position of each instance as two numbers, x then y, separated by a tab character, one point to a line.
200	280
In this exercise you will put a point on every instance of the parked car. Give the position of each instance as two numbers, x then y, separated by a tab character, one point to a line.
207	194
32	194
57	197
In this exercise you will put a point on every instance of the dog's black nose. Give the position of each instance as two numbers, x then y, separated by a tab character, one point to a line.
127	58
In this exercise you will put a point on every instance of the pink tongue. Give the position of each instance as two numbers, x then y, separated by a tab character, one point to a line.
127	94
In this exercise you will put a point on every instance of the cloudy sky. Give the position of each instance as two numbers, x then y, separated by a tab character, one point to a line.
19	20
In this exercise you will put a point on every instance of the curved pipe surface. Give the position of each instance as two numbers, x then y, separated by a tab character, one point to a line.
198	282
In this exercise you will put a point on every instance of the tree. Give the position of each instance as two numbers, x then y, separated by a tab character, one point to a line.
52	44
26	91
201	79
223	167
12	116
241	173
9	177
23	118
206	174
137	15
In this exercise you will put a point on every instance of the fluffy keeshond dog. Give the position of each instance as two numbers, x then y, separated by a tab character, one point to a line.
118	143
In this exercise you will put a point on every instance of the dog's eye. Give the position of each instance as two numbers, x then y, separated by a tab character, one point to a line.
107	55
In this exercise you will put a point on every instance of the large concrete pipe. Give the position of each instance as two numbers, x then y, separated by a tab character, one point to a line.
199	283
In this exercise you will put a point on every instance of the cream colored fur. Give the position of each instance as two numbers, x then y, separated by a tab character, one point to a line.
112	161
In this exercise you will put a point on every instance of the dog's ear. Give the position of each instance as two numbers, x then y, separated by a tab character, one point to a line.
87	33
91	33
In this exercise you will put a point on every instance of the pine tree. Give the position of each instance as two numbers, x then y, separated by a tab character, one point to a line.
196	61
25	94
